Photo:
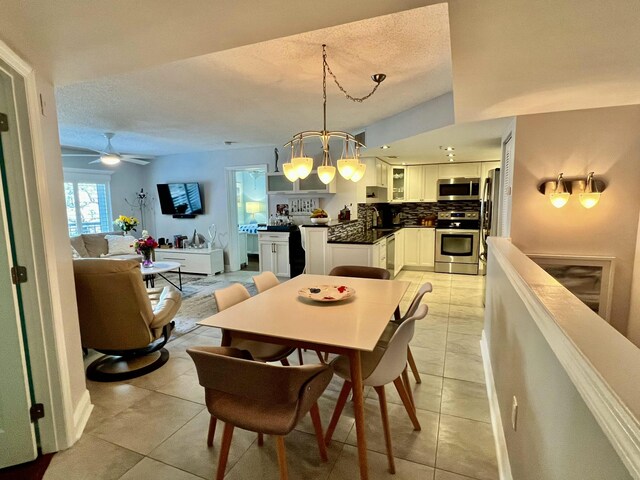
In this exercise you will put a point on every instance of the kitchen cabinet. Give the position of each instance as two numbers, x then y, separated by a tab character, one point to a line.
277	183
421	183
372	188
315	253
203	261
382	173
399	258
274	253
363	255
456	170
397	184
419	247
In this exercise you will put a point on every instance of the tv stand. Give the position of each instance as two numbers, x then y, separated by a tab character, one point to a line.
204	261
184	215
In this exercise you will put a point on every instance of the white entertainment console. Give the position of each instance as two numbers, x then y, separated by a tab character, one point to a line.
194	260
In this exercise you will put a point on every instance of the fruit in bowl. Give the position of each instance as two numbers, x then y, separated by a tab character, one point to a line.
319	216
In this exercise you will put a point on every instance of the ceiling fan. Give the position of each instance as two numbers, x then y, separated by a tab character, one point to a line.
108	156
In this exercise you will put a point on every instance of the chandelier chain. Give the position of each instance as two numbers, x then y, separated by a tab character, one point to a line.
335	79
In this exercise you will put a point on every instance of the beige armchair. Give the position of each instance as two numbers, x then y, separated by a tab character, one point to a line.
118	318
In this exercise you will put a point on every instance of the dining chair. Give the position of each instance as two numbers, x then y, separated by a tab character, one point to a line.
393	325
385	364
265	281
262	398
265	352
358	271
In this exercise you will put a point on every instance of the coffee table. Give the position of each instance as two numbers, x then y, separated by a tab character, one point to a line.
158	268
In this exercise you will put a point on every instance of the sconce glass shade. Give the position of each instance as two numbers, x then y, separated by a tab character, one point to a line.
359	173
303	166
347	167
559	200
290	172
589	200
326	173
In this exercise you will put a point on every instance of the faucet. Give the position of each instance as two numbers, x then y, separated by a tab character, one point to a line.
375	218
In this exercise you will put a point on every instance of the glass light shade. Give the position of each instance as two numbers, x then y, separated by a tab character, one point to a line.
347	167
326	173
589	200
110	159
303	166
559	200
359	173
290	172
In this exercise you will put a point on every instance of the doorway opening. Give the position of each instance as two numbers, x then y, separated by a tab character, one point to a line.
251	211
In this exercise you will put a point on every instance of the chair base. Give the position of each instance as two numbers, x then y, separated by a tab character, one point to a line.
110	368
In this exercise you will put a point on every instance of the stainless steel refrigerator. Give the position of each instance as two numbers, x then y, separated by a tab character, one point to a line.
490	213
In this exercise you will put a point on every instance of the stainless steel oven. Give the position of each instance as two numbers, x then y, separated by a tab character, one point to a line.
458	189
457	242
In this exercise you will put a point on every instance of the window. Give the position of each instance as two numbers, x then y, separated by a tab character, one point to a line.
88	198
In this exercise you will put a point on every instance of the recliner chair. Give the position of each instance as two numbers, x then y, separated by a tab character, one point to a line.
118	318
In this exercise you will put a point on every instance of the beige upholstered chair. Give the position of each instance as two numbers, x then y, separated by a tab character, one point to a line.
360	272
265	281
262	398
385	364
117	318
266	352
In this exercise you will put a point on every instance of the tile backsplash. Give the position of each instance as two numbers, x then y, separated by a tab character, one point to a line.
412	212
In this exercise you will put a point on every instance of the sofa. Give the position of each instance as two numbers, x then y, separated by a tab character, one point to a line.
94	245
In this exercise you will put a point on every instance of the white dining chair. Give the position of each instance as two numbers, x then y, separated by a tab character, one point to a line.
385	364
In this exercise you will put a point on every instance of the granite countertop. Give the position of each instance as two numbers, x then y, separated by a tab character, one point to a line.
332	223
374	235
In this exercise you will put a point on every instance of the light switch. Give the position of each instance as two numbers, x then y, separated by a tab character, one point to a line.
514	413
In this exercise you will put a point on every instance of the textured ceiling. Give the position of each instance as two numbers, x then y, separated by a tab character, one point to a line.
261	94
473	142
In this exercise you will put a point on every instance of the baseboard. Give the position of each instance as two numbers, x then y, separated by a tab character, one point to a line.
82	414
504	467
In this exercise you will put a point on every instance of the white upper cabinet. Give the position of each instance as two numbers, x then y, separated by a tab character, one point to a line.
456	170
279	184
397	184
421	183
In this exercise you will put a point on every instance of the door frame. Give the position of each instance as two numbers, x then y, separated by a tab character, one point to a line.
232	217
64	419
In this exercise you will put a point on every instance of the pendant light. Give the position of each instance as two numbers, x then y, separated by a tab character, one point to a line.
349	165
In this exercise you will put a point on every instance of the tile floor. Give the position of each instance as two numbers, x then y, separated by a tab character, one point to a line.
154	427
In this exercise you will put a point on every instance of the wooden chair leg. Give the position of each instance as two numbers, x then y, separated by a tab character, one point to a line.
342	399
227	435
407	387
317	426
212	431
282	458
326	357
385	426
260	439
407	404
300	359
285	362
319	353
412	364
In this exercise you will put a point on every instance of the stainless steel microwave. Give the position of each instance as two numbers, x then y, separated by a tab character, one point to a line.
458	189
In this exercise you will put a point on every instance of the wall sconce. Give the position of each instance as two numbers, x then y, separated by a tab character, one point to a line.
560	190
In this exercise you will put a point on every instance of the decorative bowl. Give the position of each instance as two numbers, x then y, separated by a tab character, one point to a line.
327	293
320	220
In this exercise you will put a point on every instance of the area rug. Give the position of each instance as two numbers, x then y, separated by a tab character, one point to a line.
197	299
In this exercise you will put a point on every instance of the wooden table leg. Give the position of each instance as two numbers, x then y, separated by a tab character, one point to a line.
358	406
226	338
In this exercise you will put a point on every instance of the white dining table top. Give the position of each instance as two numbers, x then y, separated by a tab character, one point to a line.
355	323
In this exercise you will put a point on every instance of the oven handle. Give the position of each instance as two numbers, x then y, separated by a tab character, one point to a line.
456	230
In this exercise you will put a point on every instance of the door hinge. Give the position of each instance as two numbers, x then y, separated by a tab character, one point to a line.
36	412
18	274
4	123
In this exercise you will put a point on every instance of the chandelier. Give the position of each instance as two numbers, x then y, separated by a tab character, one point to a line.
349	165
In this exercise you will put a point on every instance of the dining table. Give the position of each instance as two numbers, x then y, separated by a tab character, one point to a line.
284	315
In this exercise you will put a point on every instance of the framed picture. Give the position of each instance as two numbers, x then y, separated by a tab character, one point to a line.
588	278
282	209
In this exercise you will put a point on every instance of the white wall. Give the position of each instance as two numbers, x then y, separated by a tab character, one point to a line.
606	141
633	331
209	169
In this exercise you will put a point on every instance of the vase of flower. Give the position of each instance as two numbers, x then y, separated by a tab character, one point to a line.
145	247
126	224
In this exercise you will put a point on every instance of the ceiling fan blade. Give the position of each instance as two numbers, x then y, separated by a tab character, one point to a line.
134	160
139	157
80	154
95	161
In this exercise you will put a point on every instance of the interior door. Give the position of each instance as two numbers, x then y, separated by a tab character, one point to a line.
17	433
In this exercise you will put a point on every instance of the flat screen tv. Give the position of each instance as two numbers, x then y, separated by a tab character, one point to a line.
182	200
